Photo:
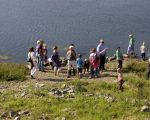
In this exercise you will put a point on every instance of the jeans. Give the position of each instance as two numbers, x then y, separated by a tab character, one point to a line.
94	72
41	63
143	56
130	49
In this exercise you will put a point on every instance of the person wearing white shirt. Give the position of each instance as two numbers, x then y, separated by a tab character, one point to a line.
143	50
32	61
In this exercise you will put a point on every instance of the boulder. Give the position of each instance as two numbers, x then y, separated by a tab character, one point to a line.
145	109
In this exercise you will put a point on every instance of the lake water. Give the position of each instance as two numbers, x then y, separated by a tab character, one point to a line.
61	22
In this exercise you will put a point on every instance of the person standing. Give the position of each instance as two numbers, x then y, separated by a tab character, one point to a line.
143	50
131	45
71	57
94	63
80	66
37	50
101	51
120	79
45	51
41	56
56	60
119	57
32	61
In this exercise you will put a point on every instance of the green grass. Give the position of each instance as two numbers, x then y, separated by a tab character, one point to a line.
12	71
41	105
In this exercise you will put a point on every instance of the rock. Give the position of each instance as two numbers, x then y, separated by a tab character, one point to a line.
89	95
71	91
4	114
23	112
17	118
24	94
66	110
145	109
40	85
57	118
58	92
63	118
13	114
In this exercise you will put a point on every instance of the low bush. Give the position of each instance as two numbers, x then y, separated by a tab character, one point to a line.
12	71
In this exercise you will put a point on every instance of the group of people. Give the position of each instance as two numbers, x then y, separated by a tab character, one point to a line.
94	65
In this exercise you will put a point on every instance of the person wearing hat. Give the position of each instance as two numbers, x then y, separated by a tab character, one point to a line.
101	51
37	50
131	44
71	57
56	60
143	50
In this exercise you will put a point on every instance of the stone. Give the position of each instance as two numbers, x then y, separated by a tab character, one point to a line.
145	109
4	114
63	118
40	85
66	110
17	118
89	95
13	114
57	118
24	94
23	112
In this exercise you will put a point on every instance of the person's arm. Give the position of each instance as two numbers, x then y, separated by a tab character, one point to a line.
103	51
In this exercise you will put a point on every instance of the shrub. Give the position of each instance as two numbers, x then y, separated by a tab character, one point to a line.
12	71
135	66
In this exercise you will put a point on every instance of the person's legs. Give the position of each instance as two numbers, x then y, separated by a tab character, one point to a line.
69	69
74	67
120	64
55	70
129	50
58	70
42	64
91	71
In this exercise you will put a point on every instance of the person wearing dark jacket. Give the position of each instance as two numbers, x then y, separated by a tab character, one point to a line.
56	60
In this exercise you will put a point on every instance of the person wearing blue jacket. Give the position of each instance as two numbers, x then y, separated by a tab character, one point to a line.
79	62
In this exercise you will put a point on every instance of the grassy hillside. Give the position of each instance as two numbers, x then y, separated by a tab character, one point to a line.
58	98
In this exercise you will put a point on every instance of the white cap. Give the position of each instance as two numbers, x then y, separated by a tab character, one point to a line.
38	42
101	41
130	35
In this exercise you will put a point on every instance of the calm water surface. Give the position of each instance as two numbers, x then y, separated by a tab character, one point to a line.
61	22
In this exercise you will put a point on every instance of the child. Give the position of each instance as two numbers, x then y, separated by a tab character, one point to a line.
32	61
86	65
79	66
120	79
119	57
94	62
56	60
148	68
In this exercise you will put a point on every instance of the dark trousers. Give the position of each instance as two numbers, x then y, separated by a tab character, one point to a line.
120	64
102	62
143	56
